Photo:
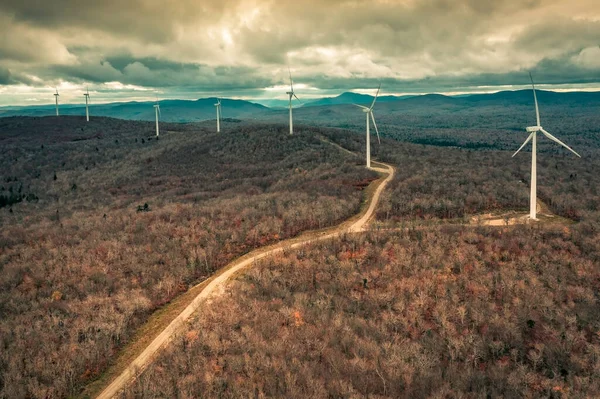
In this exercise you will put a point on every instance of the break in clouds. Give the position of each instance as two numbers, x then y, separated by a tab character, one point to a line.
133	49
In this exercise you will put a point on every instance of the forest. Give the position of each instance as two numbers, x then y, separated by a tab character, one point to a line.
425	304
125	222
443	312
104	224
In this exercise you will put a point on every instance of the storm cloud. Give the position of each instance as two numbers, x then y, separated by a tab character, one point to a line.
244	47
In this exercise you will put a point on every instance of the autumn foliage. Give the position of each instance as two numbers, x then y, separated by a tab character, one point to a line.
82	269
440	312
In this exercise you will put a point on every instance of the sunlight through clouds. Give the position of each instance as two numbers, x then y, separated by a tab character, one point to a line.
241	47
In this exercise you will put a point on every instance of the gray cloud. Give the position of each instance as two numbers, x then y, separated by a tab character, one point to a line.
4	76
146	20
238	46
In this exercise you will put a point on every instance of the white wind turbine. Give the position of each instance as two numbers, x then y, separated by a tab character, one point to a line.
532	137
218	106
291	94
369	112
87	98
157	112
56	101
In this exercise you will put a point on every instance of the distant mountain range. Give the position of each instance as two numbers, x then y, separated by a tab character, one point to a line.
352	98
203	109
171	110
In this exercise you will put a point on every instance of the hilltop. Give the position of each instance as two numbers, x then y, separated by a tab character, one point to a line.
105	224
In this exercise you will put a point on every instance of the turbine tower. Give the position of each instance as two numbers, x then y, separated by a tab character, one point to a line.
291	94
87	98
533	138
157	113
56	101
369	112
218	106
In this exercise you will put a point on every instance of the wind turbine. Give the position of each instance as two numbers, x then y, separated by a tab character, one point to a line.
87	98
56	100
218	106
369	112
532	137
291	94
157	112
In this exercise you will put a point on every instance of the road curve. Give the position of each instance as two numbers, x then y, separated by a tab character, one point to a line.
220	279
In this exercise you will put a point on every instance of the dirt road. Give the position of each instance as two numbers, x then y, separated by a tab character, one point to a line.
219	280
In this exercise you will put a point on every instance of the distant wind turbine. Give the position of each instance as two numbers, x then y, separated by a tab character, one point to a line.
532	137
87	98
157	112
218	106
291	94
56	100
369	112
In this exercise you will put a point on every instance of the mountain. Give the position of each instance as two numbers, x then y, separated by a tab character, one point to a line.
324	110
526	97
171	110
277	103
352	98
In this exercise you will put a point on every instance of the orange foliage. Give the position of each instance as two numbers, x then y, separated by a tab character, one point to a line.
298	320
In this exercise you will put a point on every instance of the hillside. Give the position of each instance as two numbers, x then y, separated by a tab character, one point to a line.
423	305
446	182
103	224
446	312
490	121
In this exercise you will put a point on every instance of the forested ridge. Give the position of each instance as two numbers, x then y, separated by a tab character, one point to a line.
125	222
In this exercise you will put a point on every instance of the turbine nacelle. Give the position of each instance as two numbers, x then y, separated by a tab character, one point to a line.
531	129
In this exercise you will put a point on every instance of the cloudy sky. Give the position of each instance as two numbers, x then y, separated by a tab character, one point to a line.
135	49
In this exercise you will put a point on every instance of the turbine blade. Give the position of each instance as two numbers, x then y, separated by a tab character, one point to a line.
291	81
375	124
297	98
526	141
537	110
551	137
361	106
376	95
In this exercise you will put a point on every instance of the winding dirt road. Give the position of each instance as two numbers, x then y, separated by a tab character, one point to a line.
219	280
